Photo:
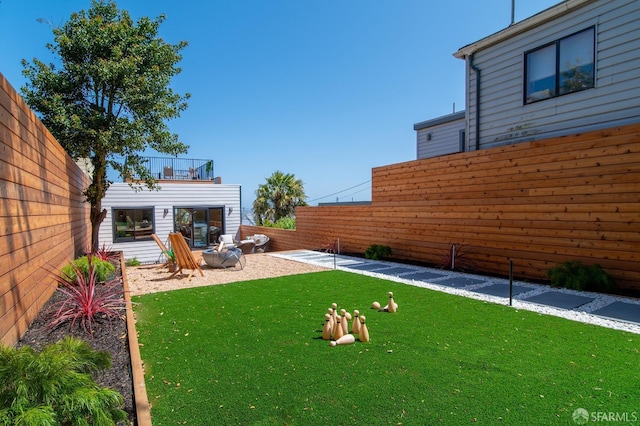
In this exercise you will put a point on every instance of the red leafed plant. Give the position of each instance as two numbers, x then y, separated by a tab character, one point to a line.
332	245
457	258
87	300
105	253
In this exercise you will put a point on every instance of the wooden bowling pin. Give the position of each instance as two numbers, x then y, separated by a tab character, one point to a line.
347	339
344	321
364	331
338	332
392	306
355	328
326	329
331	322
334	315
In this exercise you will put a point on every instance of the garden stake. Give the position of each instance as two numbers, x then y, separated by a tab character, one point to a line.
510	282
453	257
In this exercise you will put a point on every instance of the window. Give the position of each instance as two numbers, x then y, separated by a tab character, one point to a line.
200	226
564	66
133	224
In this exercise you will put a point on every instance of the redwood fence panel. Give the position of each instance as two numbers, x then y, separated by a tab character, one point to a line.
538	203
44	221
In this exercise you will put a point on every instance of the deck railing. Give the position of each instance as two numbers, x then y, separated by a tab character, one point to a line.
163	168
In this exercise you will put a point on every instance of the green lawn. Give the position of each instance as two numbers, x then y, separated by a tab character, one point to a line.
250	353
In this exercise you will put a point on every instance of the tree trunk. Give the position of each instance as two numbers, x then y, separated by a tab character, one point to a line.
95	193
97	216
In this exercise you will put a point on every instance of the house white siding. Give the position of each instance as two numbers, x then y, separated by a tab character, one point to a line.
182	194
439	136
614	101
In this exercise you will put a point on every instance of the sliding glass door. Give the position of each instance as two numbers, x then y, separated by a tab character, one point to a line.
200	226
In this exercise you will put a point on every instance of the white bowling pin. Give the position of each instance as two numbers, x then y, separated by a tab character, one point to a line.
331	322
364	331
326	329
334	315
355	328
393	306
344	321
347	339
338	332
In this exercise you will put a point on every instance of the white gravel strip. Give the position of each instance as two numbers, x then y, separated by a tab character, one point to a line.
582	314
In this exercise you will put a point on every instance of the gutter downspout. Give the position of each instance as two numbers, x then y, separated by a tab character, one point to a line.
476	70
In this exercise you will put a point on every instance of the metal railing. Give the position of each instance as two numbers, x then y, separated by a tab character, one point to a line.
179	168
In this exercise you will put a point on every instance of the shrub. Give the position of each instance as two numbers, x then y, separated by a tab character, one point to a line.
282	223
578	276
55	387
171	256
103	269
376	252
132	262
285	223
84	302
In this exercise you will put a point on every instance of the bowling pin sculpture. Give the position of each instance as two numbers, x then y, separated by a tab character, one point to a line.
392	306
326	329
331	322
347	339
334	314
338	332
344	321
364	331
355	328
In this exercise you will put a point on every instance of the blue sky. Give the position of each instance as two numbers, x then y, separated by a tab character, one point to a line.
325	89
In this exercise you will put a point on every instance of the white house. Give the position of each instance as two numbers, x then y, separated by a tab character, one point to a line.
440	136
571	68
201	209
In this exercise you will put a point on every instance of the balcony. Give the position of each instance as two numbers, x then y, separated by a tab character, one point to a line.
176	169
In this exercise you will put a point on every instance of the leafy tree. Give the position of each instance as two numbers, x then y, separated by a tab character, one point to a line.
110	96
278	198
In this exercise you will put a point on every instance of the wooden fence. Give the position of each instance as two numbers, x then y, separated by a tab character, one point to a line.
538	203
44	221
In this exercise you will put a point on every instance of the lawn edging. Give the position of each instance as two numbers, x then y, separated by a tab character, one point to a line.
140	399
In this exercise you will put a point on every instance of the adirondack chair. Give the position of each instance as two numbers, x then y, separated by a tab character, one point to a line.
164	249
184	256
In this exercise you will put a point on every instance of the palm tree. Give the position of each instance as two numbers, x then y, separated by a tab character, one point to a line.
278	198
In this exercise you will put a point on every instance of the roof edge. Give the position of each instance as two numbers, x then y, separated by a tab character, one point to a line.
539	18
440	120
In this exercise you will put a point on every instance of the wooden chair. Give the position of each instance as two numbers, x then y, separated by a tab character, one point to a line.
184	256
164	250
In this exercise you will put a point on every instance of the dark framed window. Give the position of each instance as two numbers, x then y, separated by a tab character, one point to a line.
200	226
133	224
564	66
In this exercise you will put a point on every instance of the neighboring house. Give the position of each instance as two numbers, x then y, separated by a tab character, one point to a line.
201	210
440	136
572	68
